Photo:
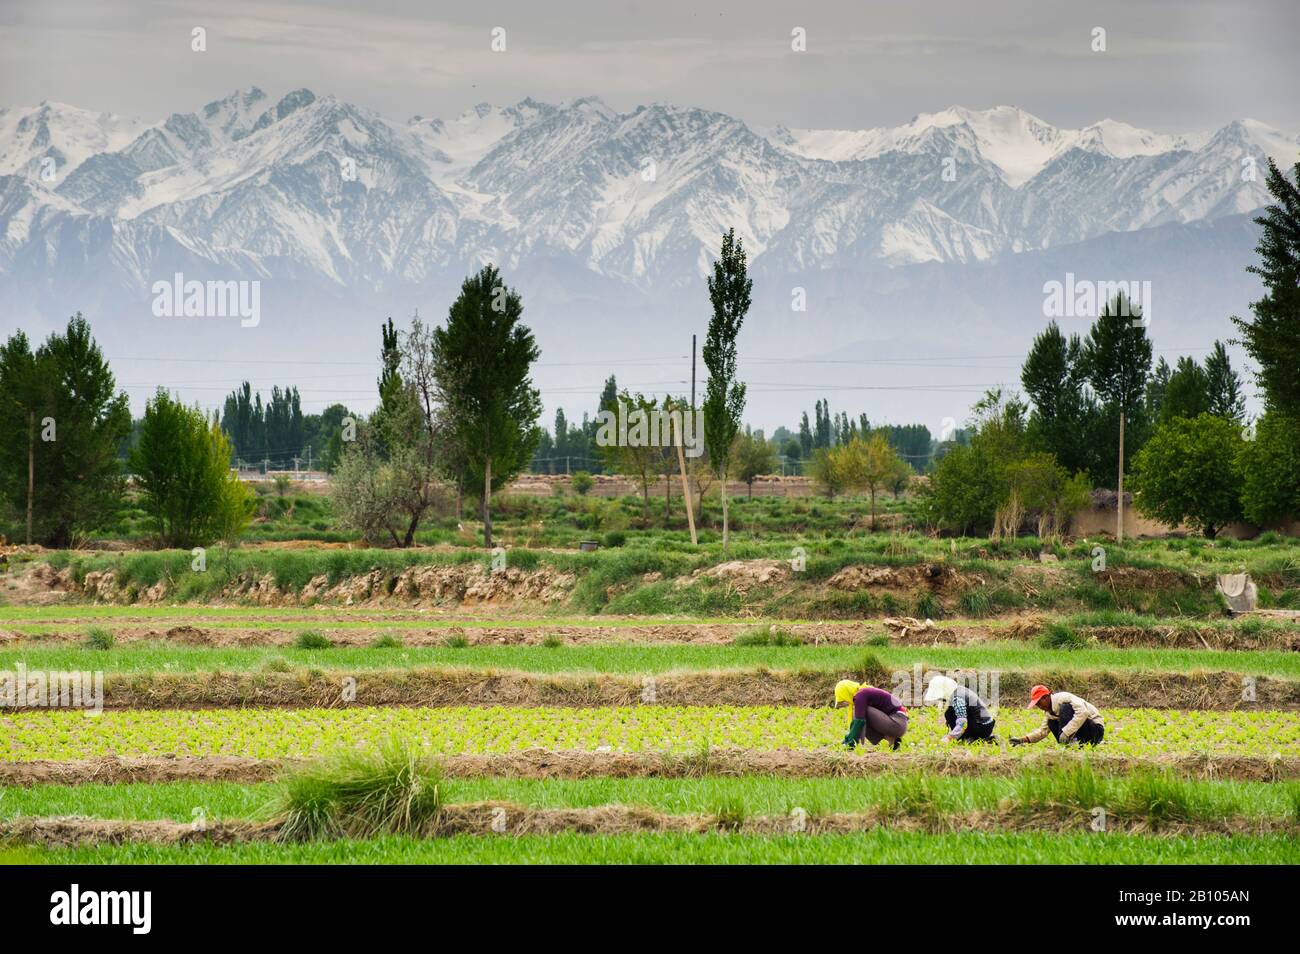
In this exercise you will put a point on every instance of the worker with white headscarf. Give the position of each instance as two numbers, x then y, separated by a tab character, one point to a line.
968	718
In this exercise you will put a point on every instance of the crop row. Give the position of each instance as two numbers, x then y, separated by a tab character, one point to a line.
276	733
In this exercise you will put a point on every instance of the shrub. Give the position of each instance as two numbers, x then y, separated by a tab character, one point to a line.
312	639
582	483
182	468
1190	471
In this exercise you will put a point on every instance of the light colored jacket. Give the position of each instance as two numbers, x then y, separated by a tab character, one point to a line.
1084	711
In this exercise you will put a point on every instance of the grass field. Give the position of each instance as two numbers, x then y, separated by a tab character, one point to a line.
1199	764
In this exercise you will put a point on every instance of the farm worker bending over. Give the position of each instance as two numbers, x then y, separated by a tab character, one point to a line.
967	716
1069	718
874	714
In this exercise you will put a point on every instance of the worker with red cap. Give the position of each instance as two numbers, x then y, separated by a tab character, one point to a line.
1069	718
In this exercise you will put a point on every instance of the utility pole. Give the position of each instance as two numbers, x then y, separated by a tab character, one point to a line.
692	373
309	457
1119	499
31	470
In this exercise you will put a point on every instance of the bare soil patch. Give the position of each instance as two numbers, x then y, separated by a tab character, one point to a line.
744	687
731	763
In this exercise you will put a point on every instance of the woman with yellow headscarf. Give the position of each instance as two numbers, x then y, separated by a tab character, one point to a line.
874	714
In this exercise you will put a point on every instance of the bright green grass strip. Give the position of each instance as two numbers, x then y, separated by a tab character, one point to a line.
758	795
876	847
273	733
642	659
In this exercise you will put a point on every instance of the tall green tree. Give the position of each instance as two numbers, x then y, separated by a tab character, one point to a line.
724	396
1187	393
1116	357
1055	378
390	362
805	438
755	456
1157	388
482	361
66	424
1270	467
1272	336
182	469
1223	385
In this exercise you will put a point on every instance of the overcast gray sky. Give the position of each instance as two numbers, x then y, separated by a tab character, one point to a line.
1170	65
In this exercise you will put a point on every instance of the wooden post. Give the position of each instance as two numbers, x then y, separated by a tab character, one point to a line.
1119	497
31	470
686	490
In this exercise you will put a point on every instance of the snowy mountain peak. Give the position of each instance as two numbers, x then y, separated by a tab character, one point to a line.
312	186
235	114
65	134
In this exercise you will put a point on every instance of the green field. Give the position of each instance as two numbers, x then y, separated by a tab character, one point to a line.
653	607
278	733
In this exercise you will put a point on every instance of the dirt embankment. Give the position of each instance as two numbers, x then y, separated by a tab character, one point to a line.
467	584
439	687
510	819
729	763
476	585
706	634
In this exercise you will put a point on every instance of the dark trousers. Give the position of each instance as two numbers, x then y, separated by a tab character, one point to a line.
975	731
1090	733
880	726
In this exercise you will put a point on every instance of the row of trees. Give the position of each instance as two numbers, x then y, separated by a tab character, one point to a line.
61	467
1199	467
1192	458
277	432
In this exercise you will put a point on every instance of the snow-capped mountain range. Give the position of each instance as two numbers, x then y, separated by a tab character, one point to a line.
319	187
596	205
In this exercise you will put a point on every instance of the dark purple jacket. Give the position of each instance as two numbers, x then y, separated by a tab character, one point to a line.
869	697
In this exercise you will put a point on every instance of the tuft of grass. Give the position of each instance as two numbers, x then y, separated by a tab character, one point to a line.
456	641
552	641
276	664
312	639
97	637
395	790
1060	636
976	603
730	814
768	636
388	641
927	606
